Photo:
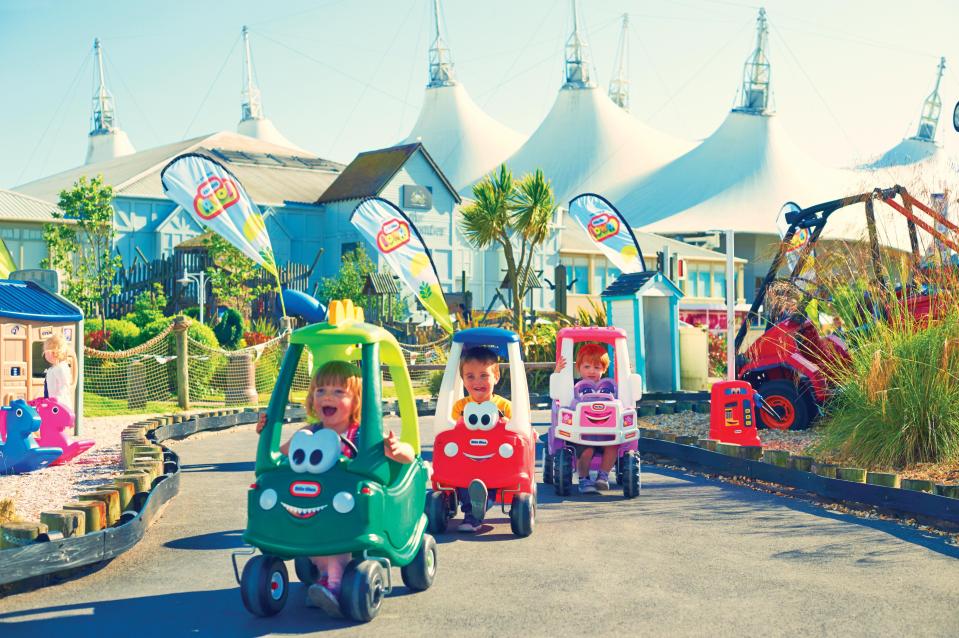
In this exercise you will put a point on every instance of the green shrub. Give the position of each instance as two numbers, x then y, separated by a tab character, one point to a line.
436	380
229	330
122	334
148	307
154	328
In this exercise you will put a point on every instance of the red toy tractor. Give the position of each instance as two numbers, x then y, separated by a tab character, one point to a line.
790	364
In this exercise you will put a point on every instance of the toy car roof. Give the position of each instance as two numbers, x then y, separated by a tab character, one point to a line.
345	329
602	334
495	338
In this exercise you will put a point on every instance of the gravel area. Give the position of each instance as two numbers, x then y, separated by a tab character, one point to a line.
51	487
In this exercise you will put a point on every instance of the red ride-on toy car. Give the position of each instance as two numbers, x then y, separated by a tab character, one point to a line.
483	445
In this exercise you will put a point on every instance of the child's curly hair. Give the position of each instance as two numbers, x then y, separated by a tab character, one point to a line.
341	373
594	354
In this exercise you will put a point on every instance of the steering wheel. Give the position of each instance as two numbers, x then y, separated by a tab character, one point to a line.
350	444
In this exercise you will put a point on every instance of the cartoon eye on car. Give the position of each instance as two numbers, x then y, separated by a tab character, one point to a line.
483	444
315	501
597	414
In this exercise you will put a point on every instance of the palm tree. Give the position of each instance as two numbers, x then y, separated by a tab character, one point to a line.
514	216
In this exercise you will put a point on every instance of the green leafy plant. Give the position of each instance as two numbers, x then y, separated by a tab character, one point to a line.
116	334
83	250
229	329
232	275
514	216
349	281
148	306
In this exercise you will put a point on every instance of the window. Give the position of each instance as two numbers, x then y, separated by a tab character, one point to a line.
703	283
348	247
577	268
719	277
603	276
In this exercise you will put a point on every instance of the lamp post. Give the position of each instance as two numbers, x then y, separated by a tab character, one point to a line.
200	279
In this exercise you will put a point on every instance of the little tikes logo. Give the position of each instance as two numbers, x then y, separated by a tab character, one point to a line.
393	234
214	196
603	226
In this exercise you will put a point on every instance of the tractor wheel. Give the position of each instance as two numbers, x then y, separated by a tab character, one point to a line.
419	574
264	585
632	479
547	467
522	515
437	512
563	471
783	397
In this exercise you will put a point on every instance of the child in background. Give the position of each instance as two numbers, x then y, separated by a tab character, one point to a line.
62	374
592	362
479	369
333	402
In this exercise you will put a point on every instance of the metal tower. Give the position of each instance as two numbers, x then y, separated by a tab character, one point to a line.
929	119
104	118
252	107
578	72
619	84
756	71
441	60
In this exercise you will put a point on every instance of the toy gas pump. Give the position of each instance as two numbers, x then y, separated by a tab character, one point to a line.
732	413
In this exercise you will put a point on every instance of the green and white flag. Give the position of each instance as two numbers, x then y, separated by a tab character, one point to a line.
395	237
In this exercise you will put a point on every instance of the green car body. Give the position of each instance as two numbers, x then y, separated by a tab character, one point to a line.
367	504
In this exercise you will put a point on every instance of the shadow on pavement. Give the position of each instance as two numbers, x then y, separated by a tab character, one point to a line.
218	612
226	539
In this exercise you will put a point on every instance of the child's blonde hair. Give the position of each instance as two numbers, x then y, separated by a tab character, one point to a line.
63	352
594	354
341	373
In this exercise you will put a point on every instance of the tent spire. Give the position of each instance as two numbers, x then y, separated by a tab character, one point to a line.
104	112
577	58
756	72
251	108
441	61
929	120
105	140
619	84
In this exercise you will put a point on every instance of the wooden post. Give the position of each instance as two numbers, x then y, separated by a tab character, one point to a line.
20	534
109	498
182	363
67	522
241	390
95	511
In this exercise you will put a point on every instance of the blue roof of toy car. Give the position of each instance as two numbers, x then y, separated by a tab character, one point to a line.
27	301
496	338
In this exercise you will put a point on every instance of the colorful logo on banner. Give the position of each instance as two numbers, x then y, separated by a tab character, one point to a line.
214	196
218	199
393	234
603	226
608	230
395	237
798	242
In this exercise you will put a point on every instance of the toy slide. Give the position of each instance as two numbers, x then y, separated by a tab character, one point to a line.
55	420
20	452
300	304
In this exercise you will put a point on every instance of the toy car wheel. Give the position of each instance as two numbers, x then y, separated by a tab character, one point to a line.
306	571
437	512
563	471
631	480
362	590
620	470
522	515
792	410
264	585
547	467
419	574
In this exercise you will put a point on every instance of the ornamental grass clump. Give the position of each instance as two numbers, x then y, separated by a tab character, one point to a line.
898	398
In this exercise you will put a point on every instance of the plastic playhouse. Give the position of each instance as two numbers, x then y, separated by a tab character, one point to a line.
324	503
598	414
481	445
29	315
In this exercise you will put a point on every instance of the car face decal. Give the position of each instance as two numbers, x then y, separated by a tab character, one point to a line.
302	512
314	452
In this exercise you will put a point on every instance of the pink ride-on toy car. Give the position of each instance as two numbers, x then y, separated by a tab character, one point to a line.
482	445
597	414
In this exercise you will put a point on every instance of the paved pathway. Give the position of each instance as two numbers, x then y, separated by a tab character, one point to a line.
690	557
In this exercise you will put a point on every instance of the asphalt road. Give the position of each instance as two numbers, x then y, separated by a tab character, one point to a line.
690	557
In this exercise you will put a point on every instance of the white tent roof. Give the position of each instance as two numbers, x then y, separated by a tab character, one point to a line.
587	144
738	178
465	141
264	130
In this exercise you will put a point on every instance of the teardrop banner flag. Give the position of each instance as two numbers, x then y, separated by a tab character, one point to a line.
608	230
395	237
805	279
211	193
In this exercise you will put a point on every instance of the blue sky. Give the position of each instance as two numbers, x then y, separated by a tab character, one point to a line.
342	76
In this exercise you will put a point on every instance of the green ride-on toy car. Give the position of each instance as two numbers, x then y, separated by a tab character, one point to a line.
323	503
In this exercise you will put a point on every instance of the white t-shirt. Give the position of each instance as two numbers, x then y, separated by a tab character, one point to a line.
60	383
